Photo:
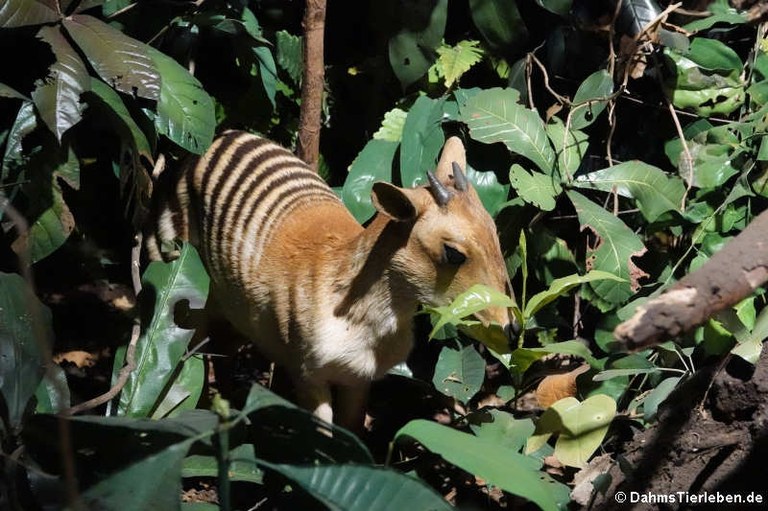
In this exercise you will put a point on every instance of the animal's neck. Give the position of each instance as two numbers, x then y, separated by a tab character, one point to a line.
370	277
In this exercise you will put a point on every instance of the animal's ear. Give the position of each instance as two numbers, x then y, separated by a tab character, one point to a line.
400	204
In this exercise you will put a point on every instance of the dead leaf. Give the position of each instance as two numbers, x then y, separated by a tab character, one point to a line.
557	386
78	358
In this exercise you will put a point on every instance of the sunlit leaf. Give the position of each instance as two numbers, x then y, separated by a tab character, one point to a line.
614	248
121	61
454	61
473	300
502	429
392	126
57	98
161	347
185	111
563	285
654	191
535	188
494	115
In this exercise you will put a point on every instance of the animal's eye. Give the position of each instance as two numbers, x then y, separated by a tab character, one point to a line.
452	255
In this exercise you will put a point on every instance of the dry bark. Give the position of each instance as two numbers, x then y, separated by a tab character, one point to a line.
313	82
728	277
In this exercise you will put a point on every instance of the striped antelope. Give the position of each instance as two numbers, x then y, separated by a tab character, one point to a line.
330	301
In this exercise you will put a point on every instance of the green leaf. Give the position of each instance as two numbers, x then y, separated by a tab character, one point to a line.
412	50
612	252
538	189
610	374
423	139
52	394
119	60
570	149
122	120
374	163
51	227
750	347
581	426
473	300
497	465
658	395
185	391
185	111
502	429
654	192
267	72
392	126
57	98
454	61
721	12
500	23
14	162
359	487
586	109
493	115
492	194
522	358
25	334
22	13
563	285
459	372
561	7
243	465
308	440
290	55
162	344
9	92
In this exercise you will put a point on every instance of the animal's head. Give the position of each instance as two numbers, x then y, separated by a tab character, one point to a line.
453	242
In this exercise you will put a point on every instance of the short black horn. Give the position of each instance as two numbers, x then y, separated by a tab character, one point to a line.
441	194
459	178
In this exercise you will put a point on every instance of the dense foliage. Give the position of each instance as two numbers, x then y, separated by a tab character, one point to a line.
617	146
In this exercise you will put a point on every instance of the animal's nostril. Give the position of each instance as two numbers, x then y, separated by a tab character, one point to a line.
513	330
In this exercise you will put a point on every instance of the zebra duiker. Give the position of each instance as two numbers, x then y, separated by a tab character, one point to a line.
330	301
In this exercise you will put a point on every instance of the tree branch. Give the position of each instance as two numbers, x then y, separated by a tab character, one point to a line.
313	82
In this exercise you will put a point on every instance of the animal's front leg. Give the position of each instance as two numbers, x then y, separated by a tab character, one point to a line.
315	396
350	406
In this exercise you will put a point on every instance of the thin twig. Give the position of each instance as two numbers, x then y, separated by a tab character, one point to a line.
687	160
130	362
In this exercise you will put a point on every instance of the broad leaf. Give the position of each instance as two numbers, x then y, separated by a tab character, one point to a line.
52	394
57	98
374	163
12	171
360	488
423	139
500	23
454	61
586	107
473	300
614	248
494	115
654	192
563	285
492	194
502	429
163	342
242	465
570	148
185	111
459	372
540	190
25	334
392	126
412	50
657	396
21	13
122	120
289	54
581	427
522	358
121	61
750	347
497	465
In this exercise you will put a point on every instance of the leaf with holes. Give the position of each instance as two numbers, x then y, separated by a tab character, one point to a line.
57	98
494	115
176	289
119	60
535	188
613	252
185	111
454	61
459	372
